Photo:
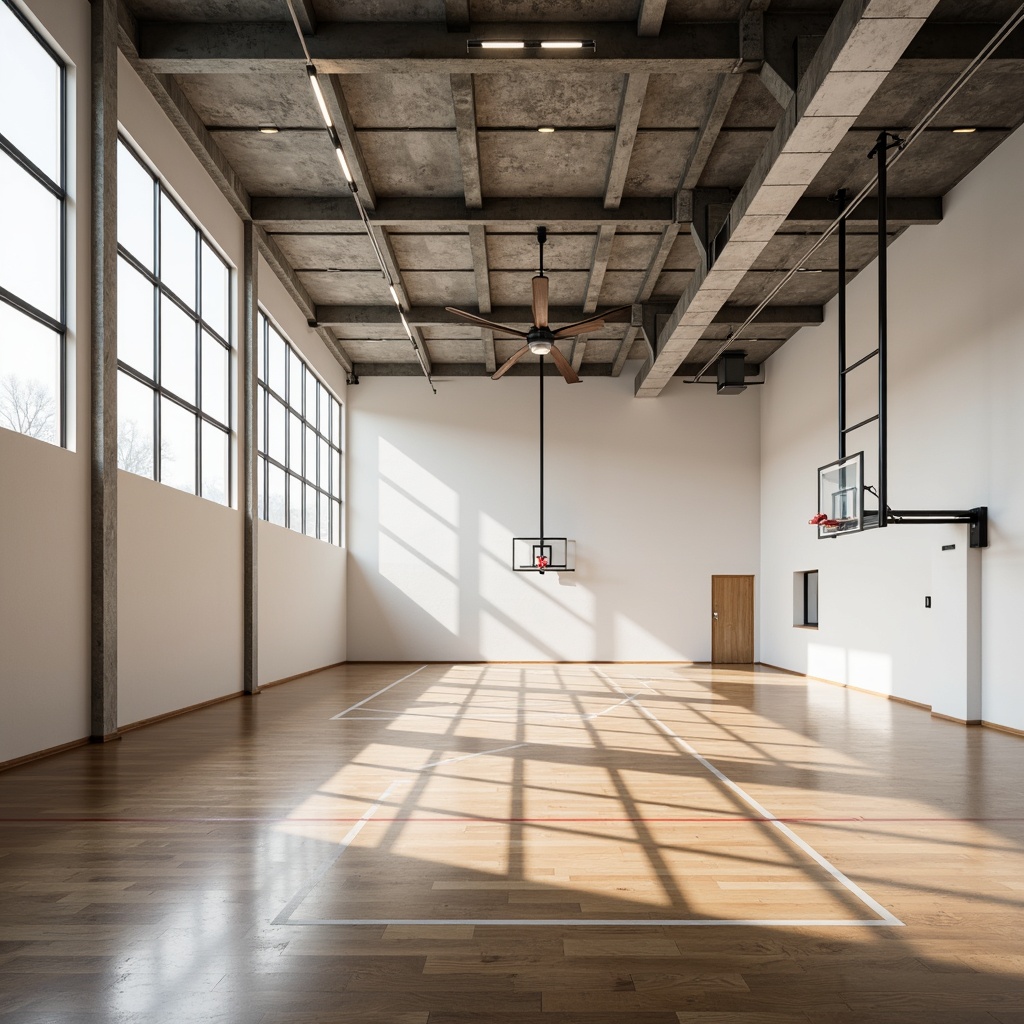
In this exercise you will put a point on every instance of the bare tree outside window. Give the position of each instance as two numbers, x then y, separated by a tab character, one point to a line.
27	406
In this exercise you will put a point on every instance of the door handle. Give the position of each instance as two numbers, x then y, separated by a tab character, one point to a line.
715	615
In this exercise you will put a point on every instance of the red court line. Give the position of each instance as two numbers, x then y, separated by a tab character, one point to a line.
455	819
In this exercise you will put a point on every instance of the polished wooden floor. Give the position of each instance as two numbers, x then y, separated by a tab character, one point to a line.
517	844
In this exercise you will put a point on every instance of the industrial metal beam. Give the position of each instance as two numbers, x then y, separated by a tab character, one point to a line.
103	374
315	213
518	316
325	213
184	48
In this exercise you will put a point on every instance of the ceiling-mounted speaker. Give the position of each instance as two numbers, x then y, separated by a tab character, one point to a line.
731	373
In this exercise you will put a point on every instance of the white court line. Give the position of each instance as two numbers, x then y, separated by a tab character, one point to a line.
885	918
317	877
466	757
383	689
847	883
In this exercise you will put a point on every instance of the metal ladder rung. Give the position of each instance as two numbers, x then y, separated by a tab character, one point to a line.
862	360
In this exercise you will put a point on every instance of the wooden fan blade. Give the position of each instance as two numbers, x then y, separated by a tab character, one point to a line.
564	366
584	328
505	367
540	301
590	319
486	323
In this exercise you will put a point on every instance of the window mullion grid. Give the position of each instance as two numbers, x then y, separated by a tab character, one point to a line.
198	350
63	343
157	339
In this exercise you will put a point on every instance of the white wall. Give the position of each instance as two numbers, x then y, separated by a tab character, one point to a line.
956	318
44	491
659	495
302	581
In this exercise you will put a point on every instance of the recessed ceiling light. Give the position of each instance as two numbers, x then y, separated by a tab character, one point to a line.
546	129
268	129
964	131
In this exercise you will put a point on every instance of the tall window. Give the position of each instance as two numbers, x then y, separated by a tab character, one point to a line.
299	435
32	232
173	326
810	582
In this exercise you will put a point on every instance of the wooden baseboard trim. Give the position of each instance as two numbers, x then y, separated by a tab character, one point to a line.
958	721
1002	728
143	722
14	762
850	686
910	703
313	672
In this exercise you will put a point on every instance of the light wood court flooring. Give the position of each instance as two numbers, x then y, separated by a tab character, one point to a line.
517	844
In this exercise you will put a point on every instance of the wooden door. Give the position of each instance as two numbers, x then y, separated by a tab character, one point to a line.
732	620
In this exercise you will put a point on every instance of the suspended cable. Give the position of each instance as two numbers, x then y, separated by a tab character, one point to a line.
958	83
332	132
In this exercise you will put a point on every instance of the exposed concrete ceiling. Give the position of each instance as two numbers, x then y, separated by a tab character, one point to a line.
686	114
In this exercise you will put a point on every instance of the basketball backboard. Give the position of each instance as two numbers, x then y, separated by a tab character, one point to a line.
841	496
552	554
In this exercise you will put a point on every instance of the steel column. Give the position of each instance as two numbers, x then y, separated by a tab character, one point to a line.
250	343
103	375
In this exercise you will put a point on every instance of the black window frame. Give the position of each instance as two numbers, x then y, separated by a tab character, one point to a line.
163	291
806	578
58	189
335	502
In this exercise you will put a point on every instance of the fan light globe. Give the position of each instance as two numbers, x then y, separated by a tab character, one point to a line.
540	347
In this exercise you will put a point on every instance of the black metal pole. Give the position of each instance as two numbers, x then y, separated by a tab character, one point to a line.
540	360
842	327
883	322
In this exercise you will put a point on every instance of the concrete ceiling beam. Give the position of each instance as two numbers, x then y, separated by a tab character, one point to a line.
481	270
634	90
710	128
186	48
469	150
456	15
180	112
649	21
335	96
862	45
282	269
599	266
306	15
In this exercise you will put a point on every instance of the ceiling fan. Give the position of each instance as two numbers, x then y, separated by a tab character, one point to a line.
541	338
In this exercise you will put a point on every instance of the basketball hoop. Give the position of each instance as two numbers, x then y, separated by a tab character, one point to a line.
542	562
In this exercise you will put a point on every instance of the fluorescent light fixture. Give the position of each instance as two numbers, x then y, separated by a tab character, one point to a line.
530	44
964	131
344	164
318	92
394	294
268	129
545	129
408	329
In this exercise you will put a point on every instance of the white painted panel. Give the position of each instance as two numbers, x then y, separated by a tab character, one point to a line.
658	495
179	596
301	603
